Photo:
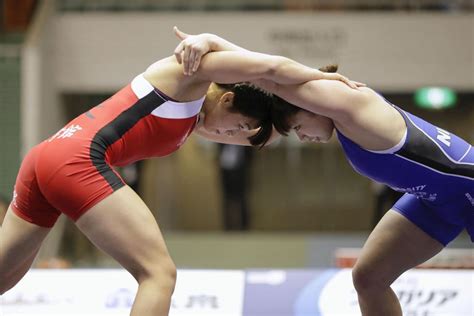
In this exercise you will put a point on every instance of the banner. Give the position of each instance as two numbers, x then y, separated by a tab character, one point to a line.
326	292
331	293
111	292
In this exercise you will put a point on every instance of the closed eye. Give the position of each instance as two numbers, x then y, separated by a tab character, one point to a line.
245	127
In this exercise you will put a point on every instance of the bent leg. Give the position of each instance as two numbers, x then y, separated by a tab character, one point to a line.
19	244
394	246
123	227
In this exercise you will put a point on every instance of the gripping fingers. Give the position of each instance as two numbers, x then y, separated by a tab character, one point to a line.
349	82
186	59
197	61
178	53
346	81
195	58
336	76
359	84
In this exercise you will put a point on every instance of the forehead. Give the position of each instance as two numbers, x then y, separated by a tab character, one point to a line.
246	121
240	118
302	115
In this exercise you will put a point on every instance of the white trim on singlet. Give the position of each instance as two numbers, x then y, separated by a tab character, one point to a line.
141	87
441	148
465	154
175	110
169	109
393	149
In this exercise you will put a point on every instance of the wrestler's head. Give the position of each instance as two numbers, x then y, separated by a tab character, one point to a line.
230	108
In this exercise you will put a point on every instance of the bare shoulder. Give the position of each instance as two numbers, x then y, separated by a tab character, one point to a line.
167	76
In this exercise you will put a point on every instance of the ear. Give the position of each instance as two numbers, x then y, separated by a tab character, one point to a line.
227	99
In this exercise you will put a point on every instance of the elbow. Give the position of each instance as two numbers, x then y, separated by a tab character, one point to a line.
275	66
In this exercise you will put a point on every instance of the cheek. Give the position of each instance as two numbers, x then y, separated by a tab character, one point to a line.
209	121
321	127
330	125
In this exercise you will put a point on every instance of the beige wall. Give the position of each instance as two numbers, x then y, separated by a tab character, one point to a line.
40	109
390	51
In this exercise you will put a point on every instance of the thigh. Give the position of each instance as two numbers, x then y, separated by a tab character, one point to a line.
395	246
123	227
435	220
19	244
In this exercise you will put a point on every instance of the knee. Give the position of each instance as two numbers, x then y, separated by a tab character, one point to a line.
161	272
366	279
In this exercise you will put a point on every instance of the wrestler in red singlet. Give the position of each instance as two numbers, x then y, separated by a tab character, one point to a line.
72	171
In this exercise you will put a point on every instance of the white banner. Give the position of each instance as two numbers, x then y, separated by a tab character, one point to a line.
111	292
421	293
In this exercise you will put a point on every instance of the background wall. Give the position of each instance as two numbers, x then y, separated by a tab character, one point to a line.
390	51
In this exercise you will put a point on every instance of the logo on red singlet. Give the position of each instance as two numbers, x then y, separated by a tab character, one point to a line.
14	198
66	132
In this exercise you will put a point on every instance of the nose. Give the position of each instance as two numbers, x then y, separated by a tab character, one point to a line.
306	138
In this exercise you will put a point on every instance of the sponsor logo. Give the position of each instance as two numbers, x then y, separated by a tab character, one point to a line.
418	191
15	195
470	198
66	132
443	136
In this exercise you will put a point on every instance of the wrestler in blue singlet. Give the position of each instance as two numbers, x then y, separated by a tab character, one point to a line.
434	168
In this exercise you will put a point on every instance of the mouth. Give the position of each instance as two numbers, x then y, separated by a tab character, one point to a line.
315	139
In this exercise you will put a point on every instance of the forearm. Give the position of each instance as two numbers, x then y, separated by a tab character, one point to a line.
218	44
287	71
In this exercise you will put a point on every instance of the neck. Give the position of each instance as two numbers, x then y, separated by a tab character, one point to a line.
212	97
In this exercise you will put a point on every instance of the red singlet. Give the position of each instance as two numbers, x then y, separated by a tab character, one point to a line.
72	171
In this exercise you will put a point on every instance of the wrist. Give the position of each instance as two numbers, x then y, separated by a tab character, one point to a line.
214	42
318	74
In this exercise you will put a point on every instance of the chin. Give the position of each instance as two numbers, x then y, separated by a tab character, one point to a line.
325	138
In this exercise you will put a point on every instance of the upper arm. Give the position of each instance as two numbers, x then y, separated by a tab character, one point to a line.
236	66
329	98
239	139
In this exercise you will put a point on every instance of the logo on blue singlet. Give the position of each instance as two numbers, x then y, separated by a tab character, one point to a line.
418	191
443	136
470	198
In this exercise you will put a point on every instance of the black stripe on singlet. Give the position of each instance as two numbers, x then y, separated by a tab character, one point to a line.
114	130
422	149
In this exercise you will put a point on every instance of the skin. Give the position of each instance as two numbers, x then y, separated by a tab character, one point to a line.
121	224
217	123
311	127
396	244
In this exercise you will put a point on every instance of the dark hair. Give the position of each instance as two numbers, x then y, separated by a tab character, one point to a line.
253	102
283	111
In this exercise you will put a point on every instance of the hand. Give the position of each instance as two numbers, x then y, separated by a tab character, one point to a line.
191	49
347	81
